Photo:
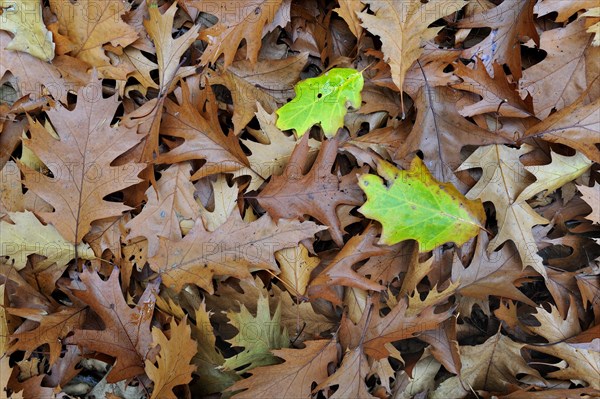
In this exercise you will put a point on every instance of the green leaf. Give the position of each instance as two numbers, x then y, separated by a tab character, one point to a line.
257	335
322	100
414	205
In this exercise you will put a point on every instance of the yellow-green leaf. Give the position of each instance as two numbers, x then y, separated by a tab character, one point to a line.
414	205
322	100
24	20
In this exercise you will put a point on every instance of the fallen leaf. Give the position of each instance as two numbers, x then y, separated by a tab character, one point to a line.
257	335
322	100
125	336
232	250
237	21
173	359
300	369
24	21
403	26
294	193
80	163
416	197
503	179
18	241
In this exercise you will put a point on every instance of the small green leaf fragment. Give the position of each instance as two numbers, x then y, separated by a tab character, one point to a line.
322	100
414	205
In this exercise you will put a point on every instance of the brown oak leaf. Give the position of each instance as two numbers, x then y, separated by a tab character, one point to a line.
126	334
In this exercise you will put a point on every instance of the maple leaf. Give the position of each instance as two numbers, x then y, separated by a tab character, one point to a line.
322	100
511	24
126	334
24	21
424	209
17	242
300	369
231	250
502	181
83	37
257	335
168	50
237	21
403	27
173	359
80	163
170	200
491	366
293	194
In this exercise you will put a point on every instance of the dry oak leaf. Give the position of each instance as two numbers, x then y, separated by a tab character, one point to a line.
29	236
80	163
84	27
296	266
576	126
203	138
497	93
208	359
272	150
126	335
34	76
169	200
491	366
350	377
169	50
339	271
269	82
591	195
440	132
403	26
405	320
5	368
24	20
503	179
234	249
293	378
570	65
238	21
52	329
349	10
173	359
564	9
557	173
511	24
581	362
490	274
316	193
